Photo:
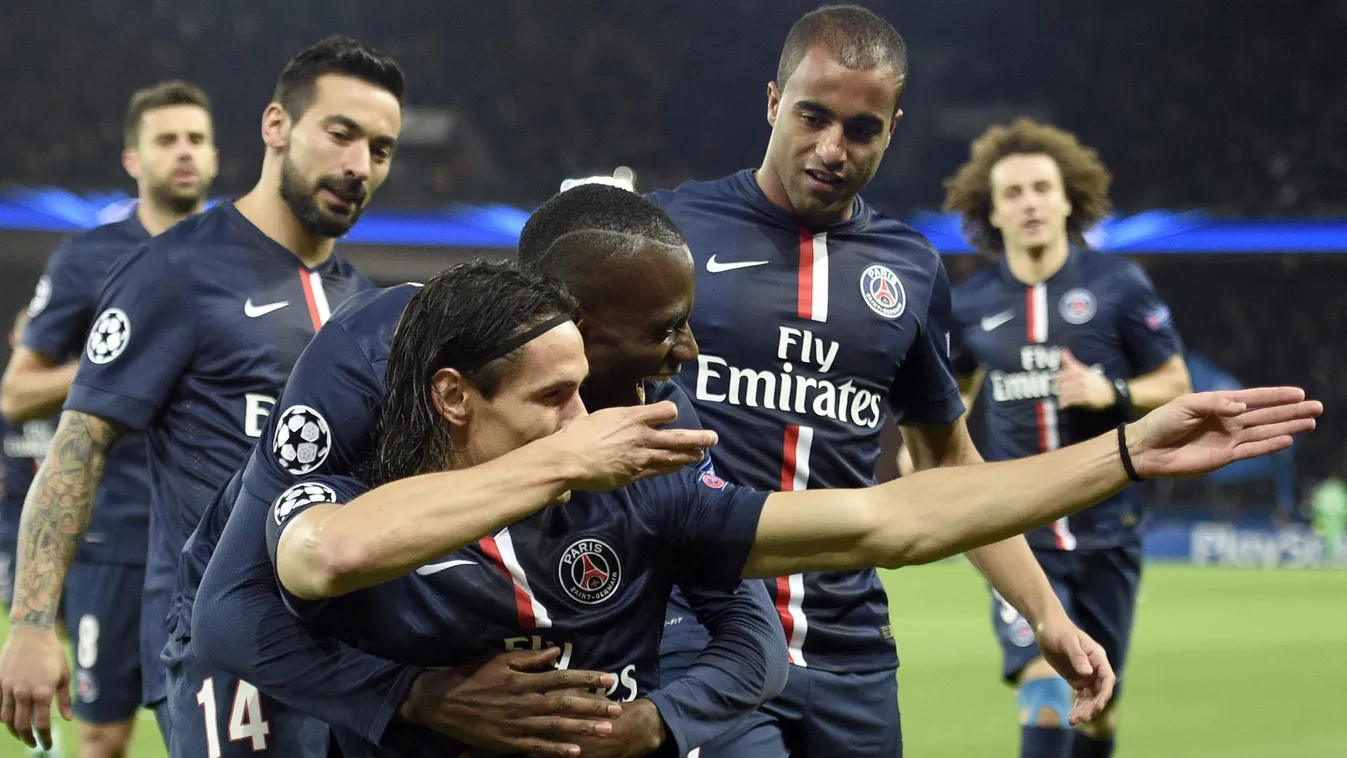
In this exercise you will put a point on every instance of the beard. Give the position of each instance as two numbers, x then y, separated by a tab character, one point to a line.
177	201
316	220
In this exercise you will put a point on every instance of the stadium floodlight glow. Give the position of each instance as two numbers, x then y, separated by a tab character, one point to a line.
622	177
1155	232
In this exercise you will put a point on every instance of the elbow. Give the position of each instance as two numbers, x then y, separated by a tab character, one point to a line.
10	408
910	539
212	642
316	568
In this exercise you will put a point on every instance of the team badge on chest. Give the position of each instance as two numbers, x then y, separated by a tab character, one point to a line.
589	571
1078	306
883	292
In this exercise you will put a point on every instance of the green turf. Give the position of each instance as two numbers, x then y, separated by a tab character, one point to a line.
1226	663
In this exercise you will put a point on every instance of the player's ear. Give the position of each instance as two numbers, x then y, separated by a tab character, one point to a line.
773	103
275	126
450	392
131	162
582	322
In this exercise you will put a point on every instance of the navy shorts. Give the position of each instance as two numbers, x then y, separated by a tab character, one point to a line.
102	612
212	713
820	714
1098	588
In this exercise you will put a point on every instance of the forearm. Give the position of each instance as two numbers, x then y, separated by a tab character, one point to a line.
744	665
323	678
57	513
1153	390
1010	567
935	514
392	530
35	393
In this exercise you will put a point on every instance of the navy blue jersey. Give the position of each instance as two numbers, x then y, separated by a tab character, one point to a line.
60	315
331	405
196	333
591	576
809	337
1105	310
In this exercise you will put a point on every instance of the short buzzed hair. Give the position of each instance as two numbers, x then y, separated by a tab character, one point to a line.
853	36
161	95
594	206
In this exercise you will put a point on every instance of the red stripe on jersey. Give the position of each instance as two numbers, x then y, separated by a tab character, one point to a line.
521	598
805	289
783	606
1030	314
1041	417
788	459
309	298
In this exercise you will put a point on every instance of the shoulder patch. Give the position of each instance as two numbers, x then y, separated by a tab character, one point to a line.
303	440
41	296
109	336
300	495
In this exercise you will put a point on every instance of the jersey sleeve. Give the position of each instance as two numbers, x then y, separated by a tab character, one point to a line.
711	525
241	624
141	341
961	358
1148	332
925	390
59	314
744	665
307	493
323	421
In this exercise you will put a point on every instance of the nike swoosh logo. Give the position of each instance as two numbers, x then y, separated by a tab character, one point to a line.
716	267
253	311
435	568
991	322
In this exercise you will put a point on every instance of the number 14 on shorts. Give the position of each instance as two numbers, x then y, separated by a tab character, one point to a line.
245	717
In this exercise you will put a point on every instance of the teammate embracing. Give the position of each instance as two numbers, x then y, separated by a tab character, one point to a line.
1066	343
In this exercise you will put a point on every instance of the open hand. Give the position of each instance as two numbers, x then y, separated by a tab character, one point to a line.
617	446
1198	433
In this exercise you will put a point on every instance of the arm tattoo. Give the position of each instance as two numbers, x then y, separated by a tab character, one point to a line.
57	513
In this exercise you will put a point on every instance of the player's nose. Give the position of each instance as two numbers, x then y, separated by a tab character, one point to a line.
831	146
685	348
357	161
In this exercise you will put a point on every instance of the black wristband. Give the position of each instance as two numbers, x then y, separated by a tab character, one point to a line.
1125	456
1122	397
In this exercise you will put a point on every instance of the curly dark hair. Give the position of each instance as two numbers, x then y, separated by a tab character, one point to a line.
1086	180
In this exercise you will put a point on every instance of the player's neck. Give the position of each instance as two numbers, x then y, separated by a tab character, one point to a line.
157	220
596	397
1034	265
267	211
770	184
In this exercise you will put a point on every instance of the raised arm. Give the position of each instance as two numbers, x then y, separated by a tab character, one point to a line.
937	513
329	550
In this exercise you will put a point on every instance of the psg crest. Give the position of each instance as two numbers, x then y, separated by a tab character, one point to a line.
1078	306
883	292
590	571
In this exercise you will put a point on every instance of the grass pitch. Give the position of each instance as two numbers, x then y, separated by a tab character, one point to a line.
1228	663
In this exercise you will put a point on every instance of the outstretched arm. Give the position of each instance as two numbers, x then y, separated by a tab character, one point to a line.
935	514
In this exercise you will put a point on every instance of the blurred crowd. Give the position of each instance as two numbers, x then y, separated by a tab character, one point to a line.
1234	106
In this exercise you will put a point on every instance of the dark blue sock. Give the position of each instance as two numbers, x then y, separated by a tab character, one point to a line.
1085	747
1045	742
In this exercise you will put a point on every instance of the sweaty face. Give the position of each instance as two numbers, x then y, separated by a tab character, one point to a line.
539	395
1029	203
830	127
174	157
636	321
338	153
